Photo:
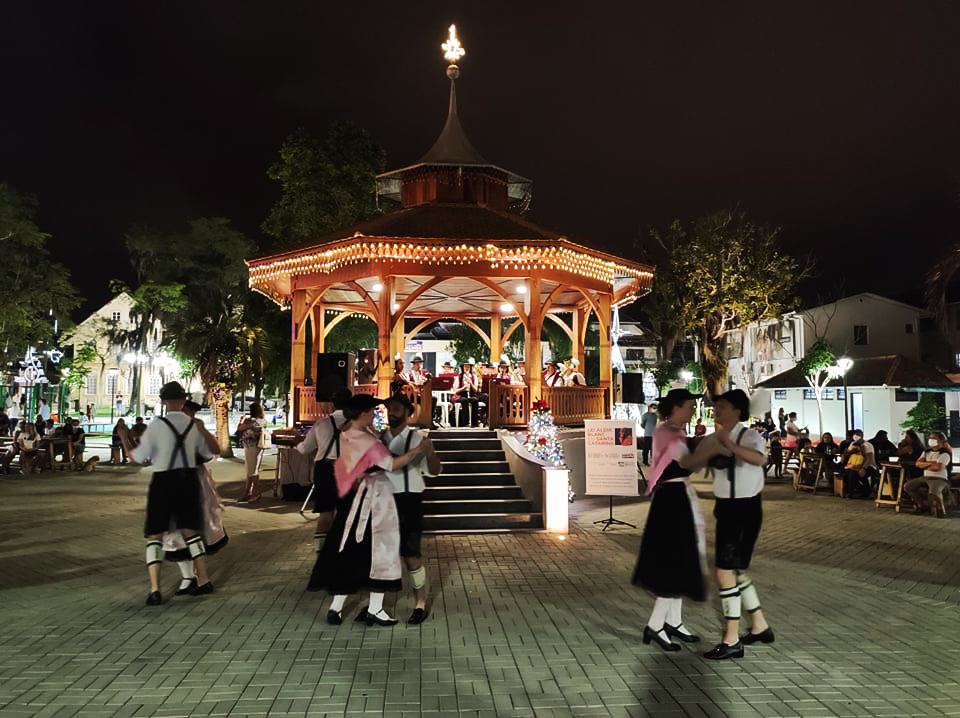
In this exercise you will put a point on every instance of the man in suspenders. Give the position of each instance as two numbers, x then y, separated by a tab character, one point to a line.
737	485
171	443
324	438
408	489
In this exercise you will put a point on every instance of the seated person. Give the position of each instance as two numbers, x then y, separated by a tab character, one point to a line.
13	451
466	393
551	375
137	430
909	451
774	454
78	439
701	429
827	445
860	468
28	442
572	375
116	443
4	423
883	446
927	491
418	376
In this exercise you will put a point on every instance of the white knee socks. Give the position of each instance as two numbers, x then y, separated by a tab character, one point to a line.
748	593
186	570
659	615
337	603
730	598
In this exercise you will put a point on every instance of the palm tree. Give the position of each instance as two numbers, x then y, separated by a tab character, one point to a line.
225	351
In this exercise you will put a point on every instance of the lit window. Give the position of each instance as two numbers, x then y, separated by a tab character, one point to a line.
809	394
155	384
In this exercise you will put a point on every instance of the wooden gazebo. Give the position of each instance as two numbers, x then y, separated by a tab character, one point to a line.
456	248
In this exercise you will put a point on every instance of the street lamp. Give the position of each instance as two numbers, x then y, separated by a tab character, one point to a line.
843	366
113	371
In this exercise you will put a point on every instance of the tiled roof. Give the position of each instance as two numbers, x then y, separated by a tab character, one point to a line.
893	371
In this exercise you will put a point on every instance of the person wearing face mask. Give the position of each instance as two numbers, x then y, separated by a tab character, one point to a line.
927	491
860	468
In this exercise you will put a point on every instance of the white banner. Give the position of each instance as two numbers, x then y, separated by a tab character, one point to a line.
611	457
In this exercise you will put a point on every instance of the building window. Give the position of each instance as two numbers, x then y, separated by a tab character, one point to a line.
828	394
115	316
911	396
90	384
908	328
809	394
842	394
860	334
780	394
111	385
155	384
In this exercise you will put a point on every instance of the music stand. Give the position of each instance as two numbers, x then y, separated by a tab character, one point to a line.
610	521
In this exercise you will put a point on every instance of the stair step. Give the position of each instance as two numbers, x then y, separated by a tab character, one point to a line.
477	506
470	455
475	467
465	523
462	493
466	444
462	434
491	479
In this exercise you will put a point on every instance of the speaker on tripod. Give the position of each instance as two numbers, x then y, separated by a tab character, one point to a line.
334	371
632	388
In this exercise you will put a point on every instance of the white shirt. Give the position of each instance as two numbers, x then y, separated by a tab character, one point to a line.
158	444
45	411
14	411
941	457
553	379
468	380
792	428
417	378
748	477
575	379
415	469
320	435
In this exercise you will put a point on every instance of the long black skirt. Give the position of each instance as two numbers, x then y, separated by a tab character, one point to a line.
348	571
671	564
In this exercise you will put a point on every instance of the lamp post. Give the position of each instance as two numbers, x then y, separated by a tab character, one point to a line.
843	365
114	372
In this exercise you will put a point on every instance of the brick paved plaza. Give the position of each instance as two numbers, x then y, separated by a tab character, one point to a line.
865	604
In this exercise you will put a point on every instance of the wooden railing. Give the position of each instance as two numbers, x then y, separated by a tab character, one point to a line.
508	405
308	409
571	405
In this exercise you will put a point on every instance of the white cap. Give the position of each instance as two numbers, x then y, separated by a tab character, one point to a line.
398	356
471	361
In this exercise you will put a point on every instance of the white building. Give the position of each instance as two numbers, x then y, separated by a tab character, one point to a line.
111	376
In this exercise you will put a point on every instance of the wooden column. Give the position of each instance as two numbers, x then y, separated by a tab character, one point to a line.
606	368
579	322
496	342
319	328
298	317
385	337
531	337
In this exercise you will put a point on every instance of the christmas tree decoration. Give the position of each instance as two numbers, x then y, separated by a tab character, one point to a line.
542	439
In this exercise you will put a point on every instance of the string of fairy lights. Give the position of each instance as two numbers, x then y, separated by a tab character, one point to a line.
516	259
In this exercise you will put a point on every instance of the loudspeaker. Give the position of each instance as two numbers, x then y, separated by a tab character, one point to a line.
334	371
632	392
367	362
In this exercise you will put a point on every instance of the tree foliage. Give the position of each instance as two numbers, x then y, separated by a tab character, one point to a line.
465	343
819	365
326	183
925	416
715	275
76	369
37	290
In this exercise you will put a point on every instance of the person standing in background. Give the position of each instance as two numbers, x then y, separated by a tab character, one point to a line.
648	422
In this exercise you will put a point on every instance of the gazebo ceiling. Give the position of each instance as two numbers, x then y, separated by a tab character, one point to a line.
454	296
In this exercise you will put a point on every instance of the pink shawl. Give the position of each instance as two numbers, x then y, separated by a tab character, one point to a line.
664	439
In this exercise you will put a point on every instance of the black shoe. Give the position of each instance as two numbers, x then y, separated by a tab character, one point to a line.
722	651
334	618
675	632
188	589
418	616
765	636
362	616
374	619
650	635
154	598
203	590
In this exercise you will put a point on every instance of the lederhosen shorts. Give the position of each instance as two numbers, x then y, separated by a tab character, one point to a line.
738	526
174	500
410	510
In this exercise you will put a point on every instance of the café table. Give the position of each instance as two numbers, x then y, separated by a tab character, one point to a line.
893	475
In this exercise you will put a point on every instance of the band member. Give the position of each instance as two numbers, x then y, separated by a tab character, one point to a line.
572	375
399	375
408	486
418	376
466	392
552	376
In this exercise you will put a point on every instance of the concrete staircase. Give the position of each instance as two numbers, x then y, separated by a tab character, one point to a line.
476	491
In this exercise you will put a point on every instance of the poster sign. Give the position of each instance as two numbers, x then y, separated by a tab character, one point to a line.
611	457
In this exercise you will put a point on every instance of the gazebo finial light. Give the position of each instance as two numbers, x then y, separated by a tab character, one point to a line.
452	52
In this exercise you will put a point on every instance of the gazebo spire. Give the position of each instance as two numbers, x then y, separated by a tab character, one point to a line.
453	147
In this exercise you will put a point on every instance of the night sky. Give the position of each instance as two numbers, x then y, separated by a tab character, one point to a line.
837	121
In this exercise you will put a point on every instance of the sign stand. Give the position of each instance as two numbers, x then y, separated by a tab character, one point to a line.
610	521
